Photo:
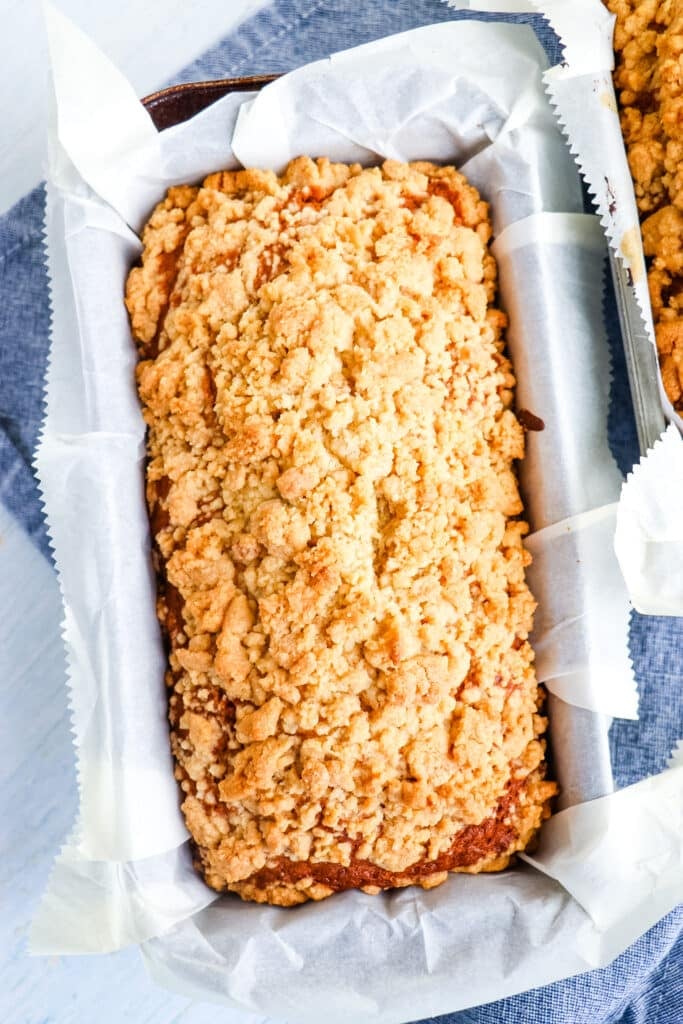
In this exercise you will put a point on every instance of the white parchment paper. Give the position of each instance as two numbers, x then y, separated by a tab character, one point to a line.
581	92
125	875
649	537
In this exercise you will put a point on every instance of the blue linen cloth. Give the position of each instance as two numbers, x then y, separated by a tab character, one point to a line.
645	983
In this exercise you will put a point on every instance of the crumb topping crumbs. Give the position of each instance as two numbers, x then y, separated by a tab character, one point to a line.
648	43
335	515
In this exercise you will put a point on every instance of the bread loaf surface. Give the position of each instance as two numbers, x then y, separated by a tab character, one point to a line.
337	532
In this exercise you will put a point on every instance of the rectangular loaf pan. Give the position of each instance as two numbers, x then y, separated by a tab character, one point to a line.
586	731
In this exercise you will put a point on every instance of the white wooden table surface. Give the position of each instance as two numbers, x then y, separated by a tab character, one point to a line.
149	41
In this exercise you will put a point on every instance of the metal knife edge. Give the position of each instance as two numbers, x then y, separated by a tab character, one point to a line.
641	359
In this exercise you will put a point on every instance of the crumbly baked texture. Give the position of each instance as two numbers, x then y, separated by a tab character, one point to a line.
335	516
648	76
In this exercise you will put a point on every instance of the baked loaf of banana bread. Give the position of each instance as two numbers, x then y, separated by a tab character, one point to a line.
337	532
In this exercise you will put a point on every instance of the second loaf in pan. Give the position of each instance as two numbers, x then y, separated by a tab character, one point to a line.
336	527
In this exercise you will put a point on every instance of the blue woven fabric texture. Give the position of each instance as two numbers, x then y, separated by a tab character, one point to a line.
24	323
645	984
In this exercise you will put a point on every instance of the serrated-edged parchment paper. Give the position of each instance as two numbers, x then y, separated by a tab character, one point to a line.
581	93
125	876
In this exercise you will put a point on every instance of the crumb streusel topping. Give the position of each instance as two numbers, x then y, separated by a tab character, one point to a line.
648	42
334	508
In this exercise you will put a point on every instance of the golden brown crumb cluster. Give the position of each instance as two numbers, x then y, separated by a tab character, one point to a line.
332	496
648	42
